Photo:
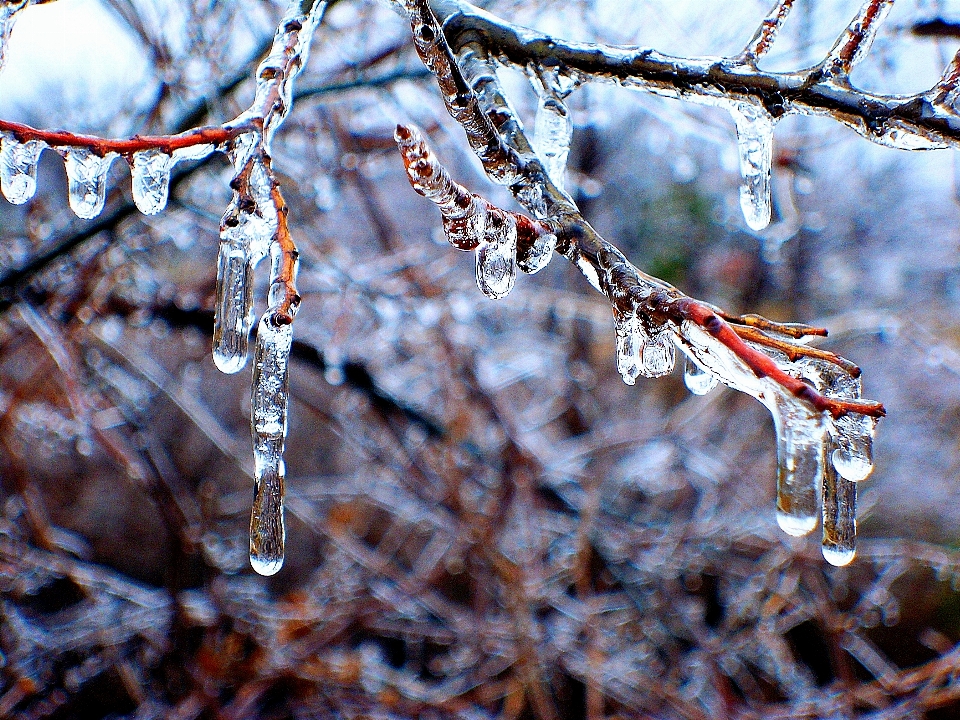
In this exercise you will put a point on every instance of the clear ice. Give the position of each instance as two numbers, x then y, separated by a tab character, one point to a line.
86	179
552	133
799	467
659	355
269	426
839	517
755	144
246	231
8	15
18	167
631	339
151	180
698	380
497	255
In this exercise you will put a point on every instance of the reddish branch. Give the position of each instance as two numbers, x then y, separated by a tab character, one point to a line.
767	32
211	135
429	178
859	33
285	312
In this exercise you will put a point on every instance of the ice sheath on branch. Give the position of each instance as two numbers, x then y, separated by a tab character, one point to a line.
253	227
824	430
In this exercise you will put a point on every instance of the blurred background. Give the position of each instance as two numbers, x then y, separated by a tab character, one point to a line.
482	519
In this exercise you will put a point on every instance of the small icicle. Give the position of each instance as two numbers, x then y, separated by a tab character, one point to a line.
151	180
839	517
553	131
496	256
86	179
233	313
853	456
800	463
631	339
8	16
755	143
18	167
533	258
698	380
267	529
659	355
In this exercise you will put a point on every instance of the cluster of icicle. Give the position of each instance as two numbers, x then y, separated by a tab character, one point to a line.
819	457
248	233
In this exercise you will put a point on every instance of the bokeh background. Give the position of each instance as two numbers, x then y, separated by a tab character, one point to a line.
482	519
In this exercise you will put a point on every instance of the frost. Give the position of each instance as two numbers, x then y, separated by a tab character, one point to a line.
18	167
151	180
86	179
755	144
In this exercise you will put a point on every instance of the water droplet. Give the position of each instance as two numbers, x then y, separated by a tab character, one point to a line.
18	167
698	380
86	179
151	180
755	144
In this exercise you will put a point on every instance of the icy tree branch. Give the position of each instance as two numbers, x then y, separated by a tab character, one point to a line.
824	429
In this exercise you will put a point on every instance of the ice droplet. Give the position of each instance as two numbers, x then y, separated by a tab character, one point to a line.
631	339
799	467
659	355
18	167
86	179
496	256
698	380
755	143
553	131
269	427
536	257
151	180
839	518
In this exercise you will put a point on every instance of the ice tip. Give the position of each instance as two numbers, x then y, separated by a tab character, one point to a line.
266	565
838	557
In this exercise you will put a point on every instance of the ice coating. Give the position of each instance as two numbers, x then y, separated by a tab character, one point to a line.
86	179
8	16
755	145
496	256
18	167
839	517
553	131
535	257
151	180
698	380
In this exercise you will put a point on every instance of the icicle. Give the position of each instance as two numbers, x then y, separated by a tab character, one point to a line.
18	167
269	420
755	143
151	180
853	456
553	126
269	399
698	380
87	179
839	517
659	355
631	339
533	258
246	230
233	313
496	256
800	453
8	15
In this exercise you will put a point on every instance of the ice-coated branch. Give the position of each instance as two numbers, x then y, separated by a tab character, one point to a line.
813	396
909	122
253	226
855	41
766	34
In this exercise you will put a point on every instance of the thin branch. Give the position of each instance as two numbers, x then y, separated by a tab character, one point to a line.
767	32
855	42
